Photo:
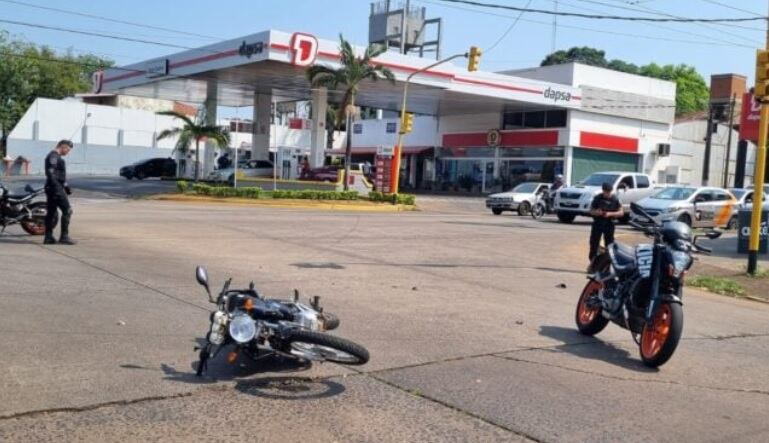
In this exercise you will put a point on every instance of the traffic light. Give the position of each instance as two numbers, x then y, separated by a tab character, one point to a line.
762	75
407	125
474	58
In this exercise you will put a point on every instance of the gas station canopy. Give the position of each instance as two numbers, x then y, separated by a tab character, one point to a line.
274	63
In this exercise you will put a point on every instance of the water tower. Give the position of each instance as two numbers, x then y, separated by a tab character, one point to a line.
405	28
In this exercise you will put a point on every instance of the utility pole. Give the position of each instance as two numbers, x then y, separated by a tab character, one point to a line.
729	140
708	141
762	81
555	25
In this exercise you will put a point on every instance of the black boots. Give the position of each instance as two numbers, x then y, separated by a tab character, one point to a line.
49	240
65	240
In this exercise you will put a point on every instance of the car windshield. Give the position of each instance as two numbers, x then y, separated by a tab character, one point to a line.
674	194
600	179
525	188
738	193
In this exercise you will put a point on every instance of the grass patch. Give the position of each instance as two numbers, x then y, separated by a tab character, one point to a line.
718	285
760	274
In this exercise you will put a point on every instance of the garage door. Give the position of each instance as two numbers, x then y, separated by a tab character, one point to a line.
588	161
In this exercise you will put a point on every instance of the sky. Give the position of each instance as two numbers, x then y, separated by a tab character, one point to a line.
712	49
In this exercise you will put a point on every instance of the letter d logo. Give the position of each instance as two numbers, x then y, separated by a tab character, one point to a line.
304	49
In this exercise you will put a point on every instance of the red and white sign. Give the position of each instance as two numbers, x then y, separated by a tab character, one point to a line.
304	49
751	114
97	80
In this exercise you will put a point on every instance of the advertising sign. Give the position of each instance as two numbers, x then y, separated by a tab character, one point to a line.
749	117
743	237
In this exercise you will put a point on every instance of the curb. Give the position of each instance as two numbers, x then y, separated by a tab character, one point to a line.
286	203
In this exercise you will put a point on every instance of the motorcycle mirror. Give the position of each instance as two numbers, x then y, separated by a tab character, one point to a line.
29	188
202	276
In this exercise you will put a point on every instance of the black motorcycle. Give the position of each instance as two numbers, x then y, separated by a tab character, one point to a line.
257	326
641	288
542	205
21	209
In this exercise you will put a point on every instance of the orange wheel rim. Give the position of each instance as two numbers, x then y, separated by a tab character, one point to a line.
656	334
586	313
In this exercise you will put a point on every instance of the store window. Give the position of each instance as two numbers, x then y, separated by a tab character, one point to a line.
534	119
531	152
514	172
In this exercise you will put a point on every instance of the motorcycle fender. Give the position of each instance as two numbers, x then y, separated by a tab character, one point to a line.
671	298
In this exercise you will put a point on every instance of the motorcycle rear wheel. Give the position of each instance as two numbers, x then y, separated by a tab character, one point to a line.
590	320
35	225
318	346
537	211
660	339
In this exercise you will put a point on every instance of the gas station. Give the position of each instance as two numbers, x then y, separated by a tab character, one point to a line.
578	118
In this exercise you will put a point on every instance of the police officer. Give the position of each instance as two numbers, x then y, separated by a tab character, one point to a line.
56	192
604	209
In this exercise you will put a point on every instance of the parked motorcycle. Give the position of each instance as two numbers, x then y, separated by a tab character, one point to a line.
21	209
542	205
641	288
258	326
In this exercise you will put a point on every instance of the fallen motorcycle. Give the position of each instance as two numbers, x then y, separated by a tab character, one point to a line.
21	209
258	326
641	288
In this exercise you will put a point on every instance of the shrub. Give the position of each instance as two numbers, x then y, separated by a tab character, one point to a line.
402	199
309	194
182	186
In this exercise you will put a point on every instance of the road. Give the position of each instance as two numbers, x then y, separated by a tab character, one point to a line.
469	326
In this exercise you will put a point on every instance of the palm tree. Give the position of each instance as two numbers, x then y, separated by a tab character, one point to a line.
194	130
353	71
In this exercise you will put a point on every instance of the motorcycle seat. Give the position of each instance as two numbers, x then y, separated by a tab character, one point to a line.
625	255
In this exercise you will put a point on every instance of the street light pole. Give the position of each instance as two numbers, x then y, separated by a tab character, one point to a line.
729	140
397	154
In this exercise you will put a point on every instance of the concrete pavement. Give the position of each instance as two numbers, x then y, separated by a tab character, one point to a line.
471	337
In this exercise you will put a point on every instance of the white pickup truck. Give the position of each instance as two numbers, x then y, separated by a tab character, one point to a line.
575	200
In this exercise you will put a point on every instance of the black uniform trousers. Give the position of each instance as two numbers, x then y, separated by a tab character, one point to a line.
602	227
57	200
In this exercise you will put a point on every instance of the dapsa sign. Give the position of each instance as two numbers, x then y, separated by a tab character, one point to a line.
556	96
751	114
249	49
303	48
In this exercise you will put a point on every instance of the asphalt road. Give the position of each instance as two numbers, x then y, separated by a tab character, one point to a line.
471	334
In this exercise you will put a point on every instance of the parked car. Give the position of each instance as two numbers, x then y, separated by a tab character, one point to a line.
249	168
520	198
697	207
330	173
575	200
153	167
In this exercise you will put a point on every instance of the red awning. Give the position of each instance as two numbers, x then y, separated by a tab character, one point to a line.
407	150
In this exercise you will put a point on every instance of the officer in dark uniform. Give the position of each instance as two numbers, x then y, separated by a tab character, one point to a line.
604	209
56	191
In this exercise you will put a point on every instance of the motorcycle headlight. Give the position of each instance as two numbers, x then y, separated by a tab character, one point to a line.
242	328
680	262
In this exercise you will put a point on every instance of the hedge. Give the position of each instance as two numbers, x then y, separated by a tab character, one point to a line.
217	191
401	199
308	194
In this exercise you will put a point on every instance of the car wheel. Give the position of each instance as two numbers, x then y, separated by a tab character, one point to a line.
565	217
496	211
685	218
524	208
129	177
141	175
732	223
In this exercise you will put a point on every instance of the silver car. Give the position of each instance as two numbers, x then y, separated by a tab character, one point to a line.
520	198
250	168
704	207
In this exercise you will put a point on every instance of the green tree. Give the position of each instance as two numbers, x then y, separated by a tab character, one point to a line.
28	72
692	92
194	130
348	76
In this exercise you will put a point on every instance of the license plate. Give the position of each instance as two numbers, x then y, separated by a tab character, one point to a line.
570	205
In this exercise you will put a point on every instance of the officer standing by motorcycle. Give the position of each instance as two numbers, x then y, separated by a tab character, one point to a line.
56	192
605	208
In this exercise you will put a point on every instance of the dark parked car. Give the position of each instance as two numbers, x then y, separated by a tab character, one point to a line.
153	167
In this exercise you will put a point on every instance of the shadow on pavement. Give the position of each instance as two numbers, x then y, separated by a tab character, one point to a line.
573	343
290	388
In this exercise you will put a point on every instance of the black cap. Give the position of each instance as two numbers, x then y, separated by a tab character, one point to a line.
607	187
65	142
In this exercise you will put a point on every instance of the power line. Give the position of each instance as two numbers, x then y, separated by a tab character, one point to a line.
510	28
607	17
112	20
93	34
582	28
714	2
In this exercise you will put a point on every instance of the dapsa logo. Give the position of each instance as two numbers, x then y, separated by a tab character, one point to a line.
247	50
557	96
304	49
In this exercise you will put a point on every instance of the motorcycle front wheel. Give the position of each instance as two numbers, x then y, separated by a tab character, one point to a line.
590	320
660	338
35	225
317	346
537	211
